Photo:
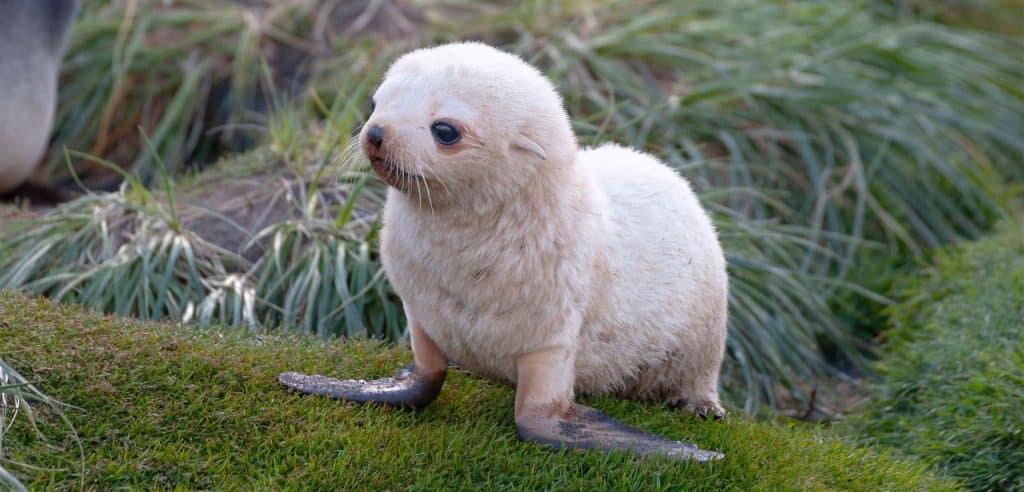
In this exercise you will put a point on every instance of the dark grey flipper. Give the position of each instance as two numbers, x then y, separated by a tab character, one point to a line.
587	428
407	389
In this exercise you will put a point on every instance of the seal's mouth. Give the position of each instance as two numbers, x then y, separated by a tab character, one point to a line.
393	175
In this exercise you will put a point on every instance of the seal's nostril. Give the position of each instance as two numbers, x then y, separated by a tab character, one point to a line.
375	135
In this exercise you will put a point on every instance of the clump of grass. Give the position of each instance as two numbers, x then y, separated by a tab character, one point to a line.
319	272
778	315
167	407
11	401
326	285
122	252
951	380
126	253
17	396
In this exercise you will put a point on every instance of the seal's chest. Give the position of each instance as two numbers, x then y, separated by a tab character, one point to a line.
466	327
455	311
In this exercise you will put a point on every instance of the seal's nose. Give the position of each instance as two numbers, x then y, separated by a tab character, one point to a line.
375	135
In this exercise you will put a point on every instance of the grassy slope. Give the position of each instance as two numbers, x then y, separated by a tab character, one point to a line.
163	406
953	380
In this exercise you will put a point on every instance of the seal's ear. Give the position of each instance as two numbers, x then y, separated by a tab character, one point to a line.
522	142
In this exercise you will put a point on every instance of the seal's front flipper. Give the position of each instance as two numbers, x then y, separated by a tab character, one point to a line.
546	414
583	427
410	388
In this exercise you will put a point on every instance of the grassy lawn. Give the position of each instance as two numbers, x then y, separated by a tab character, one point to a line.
159	406
953	378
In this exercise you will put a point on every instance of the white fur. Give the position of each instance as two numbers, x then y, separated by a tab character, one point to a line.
519	243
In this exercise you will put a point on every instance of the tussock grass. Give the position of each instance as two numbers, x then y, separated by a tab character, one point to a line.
131	253
105	252
952	377
164	407
189	72
17	397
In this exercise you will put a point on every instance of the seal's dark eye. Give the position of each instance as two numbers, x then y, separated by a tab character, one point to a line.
445	133
373	105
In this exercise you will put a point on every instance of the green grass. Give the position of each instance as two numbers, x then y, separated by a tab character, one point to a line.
164	407
952	378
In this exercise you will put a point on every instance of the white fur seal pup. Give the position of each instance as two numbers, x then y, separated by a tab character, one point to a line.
558	270
32	38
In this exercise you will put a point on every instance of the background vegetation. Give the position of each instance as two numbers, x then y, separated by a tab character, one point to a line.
952	378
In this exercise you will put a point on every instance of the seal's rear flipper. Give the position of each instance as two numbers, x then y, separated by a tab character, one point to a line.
587	428
408	389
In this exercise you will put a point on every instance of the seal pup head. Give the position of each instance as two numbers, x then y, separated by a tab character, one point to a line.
465	123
